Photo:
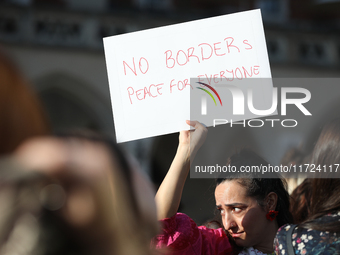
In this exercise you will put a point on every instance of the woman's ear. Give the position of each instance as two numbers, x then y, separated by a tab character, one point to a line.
271	201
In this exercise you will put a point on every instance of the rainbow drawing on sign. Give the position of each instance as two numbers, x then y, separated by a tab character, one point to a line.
212	89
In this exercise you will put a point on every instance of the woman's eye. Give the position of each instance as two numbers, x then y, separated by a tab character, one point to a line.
236	209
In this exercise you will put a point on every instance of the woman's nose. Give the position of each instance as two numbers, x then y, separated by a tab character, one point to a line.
229	222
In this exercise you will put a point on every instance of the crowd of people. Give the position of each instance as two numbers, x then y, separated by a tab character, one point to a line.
79	193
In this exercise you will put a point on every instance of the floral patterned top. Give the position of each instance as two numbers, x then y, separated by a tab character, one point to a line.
253	251
309	241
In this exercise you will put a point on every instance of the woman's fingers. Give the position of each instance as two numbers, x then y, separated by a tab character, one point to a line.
192	123
195	138
198	136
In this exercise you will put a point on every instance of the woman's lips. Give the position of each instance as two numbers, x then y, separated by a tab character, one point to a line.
236	235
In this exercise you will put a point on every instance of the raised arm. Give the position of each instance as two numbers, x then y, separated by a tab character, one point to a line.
169	193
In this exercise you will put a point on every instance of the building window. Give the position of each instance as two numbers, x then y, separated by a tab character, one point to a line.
313	53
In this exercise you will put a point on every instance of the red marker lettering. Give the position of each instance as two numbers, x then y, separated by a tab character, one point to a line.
216	49
159	88
186	83
231	44
215	76
138	93
150	94
232	72
183	85
146	92
222	75
169	58
172	85
191	54
240	78
209	80
134	67
246	73
130	93
199	78
186	59
256	70
211	51
246	42
140	65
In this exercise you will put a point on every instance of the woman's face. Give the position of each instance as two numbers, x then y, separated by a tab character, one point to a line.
242	216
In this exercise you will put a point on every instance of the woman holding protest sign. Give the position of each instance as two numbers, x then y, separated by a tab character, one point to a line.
252	209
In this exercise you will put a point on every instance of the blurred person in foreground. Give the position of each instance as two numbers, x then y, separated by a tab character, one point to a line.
74	195
320	232
21	115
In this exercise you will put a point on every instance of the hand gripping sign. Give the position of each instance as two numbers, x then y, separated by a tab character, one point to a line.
149	71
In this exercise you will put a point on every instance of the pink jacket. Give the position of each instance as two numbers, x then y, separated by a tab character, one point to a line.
180	235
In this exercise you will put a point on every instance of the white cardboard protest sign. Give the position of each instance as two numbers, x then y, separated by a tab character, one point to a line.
149	71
